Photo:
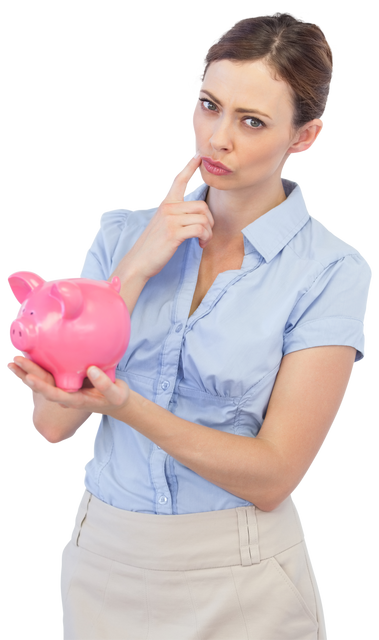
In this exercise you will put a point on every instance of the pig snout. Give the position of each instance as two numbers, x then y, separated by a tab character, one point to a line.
20	336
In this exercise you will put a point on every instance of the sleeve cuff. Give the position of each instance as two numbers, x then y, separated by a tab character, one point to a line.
326	332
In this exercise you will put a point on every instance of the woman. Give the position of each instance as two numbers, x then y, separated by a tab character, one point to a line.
247	317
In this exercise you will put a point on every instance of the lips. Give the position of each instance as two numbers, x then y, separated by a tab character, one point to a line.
215	163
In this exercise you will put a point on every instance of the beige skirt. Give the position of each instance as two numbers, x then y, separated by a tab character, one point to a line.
235	574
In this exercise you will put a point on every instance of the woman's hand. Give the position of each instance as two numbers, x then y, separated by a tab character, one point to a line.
100	395
174	222
23	368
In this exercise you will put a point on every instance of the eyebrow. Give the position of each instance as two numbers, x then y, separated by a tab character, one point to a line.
240	109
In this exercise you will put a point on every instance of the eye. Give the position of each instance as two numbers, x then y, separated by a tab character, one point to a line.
255	123
212	106
258	123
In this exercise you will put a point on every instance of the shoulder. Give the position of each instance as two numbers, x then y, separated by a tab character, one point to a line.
117	220
307	238
119	229
315	243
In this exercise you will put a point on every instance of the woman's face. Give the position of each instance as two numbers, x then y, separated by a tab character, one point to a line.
243	119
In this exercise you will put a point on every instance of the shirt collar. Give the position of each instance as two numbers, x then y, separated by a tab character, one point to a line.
270	233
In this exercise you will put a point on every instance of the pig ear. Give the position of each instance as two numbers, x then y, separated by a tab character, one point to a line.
70	296
116	284
23	282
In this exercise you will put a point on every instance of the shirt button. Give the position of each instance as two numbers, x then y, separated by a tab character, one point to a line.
165	385
179	328
163	500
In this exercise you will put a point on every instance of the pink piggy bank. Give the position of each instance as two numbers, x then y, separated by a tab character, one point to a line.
67	325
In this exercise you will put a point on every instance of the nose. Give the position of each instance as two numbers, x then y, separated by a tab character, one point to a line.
20	336
222	136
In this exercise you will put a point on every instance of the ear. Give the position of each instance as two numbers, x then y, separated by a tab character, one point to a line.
21	283
115	284
70	297
305	137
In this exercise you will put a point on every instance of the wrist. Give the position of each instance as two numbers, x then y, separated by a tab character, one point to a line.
129	273
132	281
125	412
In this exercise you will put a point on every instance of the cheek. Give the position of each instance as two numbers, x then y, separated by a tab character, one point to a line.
196	121
264	149
192	118
202	126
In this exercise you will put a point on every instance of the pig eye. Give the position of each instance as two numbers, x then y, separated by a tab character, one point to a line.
31	313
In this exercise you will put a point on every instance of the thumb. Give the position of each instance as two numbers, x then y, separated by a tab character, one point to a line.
178	188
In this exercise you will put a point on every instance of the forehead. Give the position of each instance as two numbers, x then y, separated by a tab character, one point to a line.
250	84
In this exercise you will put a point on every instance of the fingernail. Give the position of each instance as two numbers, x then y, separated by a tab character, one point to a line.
30	382
197	154
93	372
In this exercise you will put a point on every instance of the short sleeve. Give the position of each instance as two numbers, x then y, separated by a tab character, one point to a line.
331	311
98	262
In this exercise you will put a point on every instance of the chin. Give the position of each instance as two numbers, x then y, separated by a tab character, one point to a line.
218	182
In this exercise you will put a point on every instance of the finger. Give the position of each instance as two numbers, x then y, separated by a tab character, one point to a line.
12	370
26	365
20	373
52	393
87	399
19	358
114	394
15	370
178	188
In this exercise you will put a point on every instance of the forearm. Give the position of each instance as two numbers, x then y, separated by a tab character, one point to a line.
132	281
249	468
54	424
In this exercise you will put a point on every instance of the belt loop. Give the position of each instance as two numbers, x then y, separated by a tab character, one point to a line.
82	514
248	535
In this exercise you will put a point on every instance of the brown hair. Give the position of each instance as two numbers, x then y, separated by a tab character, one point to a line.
297	51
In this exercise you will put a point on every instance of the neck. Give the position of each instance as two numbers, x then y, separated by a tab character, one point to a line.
234	209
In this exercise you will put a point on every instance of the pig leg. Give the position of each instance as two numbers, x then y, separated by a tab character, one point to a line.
111	373
69	381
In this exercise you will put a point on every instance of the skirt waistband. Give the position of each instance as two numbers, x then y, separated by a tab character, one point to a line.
240	536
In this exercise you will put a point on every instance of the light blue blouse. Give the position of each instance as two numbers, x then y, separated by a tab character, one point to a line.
299	287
